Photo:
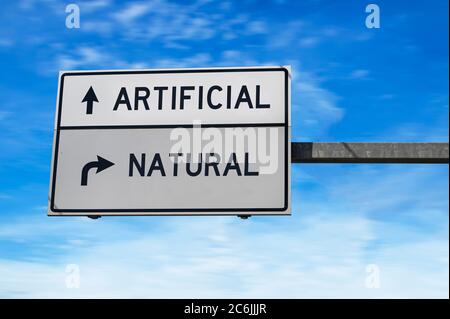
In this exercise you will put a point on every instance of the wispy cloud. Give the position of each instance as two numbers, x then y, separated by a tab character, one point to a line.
344	217
4	196
85	56
94	5
309	42
317	108
133	11
5	42
359	74
227	257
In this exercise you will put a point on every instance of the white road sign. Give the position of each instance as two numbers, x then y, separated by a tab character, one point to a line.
172	142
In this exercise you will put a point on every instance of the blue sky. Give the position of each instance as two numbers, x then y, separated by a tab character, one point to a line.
349	83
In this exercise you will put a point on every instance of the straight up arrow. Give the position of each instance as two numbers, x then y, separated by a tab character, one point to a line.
89	98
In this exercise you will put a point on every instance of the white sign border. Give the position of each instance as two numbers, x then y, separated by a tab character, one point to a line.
285	210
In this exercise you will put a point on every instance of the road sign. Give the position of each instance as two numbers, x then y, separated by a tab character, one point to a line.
172	142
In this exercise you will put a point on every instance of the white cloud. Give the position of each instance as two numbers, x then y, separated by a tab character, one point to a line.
309	42
359	74
320	256
93	5
320	252
317	107
172	23
237	58
257	27
84	56
6	43
203	258
197	60
133	11
4	196
288	36
94	58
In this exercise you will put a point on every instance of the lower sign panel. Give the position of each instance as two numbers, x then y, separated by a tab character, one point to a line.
167	171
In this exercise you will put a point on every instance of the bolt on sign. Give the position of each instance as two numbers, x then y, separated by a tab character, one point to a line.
172	142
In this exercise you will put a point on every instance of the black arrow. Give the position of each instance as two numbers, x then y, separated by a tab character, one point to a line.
101	165
89	98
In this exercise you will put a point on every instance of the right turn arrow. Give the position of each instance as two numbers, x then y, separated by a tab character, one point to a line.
89	98
101	164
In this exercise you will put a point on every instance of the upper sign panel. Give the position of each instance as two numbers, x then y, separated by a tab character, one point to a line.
174	97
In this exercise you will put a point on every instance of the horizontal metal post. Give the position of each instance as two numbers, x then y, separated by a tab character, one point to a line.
342	152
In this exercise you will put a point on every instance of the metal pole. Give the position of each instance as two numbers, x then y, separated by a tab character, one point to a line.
342	152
